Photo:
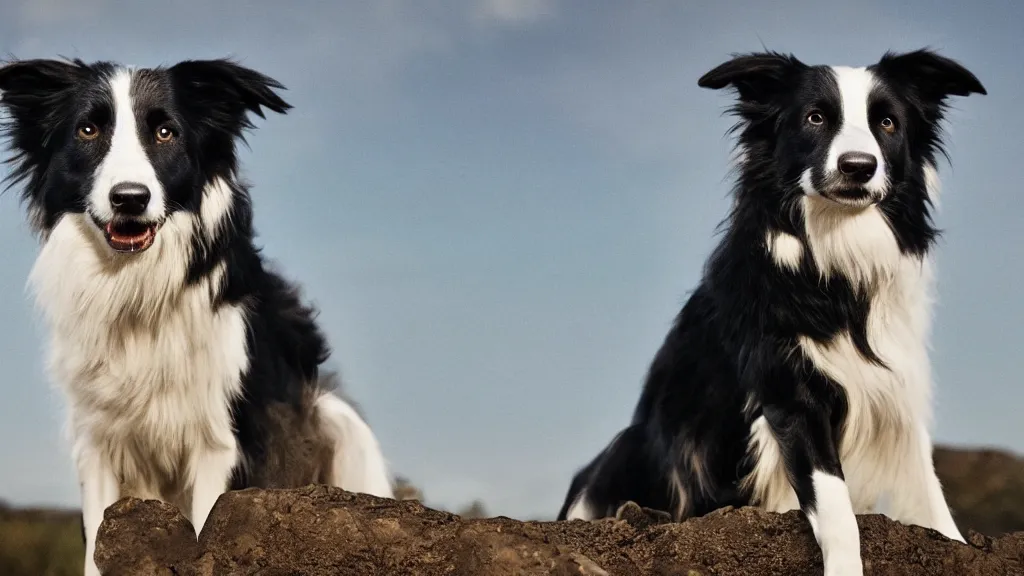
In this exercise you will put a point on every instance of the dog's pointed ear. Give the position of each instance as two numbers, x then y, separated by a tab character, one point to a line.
755	76
224	92
933	76
24	81
29	89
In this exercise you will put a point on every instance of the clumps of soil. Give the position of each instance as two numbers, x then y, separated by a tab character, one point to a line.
318	530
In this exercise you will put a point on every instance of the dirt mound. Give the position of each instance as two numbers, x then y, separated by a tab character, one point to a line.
984	487
319	530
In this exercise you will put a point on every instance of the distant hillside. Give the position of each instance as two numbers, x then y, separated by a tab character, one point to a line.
39	542
984	487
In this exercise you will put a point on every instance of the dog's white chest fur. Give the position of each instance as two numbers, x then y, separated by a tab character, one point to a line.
887	405
148	365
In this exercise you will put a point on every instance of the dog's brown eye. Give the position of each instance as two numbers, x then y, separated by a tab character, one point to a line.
815	118
164	134
88	131
888	125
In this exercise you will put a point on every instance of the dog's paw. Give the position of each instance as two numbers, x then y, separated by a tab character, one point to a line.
639	517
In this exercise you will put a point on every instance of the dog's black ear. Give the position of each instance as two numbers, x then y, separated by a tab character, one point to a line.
755	77
933	76
222	92
27	82
31	90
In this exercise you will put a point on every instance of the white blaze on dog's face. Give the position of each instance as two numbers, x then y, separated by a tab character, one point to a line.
848	126
127	200
128	148
855	155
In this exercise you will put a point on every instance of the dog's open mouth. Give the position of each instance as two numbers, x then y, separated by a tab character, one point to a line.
852	197
130	235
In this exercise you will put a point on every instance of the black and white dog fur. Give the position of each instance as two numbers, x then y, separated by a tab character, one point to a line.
797	374
190	367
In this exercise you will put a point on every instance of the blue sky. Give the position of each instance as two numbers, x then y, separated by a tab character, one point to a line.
499	206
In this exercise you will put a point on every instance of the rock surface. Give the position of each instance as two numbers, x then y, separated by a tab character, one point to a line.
319	530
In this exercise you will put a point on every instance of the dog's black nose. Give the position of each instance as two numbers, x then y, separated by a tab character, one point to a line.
129	198
858	166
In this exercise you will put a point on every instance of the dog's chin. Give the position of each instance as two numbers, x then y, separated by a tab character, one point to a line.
128	235
851	197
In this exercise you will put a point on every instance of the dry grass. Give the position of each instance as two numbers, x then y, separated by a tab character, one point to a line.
40	542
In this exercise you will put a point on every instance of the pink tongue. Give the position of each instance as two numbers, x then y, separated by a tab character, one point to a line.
123	238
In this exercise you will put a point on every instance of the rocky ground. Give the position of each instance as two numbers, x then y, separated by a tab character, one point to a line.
326	531
318	531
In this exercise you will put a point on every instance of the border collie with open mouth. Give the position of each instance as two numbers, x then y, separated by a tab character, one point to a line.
797	374
190	366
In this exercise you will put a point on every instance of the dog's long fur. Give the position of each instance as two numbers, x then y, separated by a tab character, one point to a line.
190	366
797	374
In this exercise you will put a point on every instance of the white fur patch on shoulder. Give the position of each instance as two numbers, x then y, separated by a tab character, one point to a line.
216	206
787	251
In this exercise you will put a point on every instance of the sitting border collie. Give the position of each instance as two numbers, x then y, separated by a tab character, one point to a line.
797	374
191	367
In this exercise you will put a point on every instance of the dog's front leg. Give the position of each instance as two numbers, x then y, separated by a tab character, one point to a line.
100	489
917	497
213	470
812	464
